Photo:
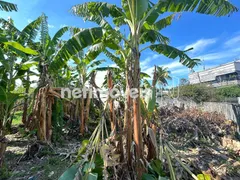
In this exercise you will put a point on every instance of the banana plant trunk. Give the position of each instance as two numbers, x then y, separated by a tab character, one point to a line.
135	77
25	105
137	125
42	115
3	140
128	114
82	124
87	109
49	119
111	102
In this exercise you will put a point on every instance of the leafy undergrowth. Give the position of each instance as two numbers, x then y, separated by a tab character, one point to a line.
17	119
206	142
26	158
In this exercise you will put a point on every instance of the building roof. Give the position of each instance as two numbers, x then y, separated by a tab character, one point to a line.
236	61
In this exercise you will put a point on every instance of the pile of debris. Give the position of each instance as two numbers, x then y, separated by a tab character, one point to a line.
206	141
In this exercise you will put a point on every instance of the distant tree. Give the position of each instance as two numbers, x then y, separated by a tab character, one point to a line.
183	82
163	75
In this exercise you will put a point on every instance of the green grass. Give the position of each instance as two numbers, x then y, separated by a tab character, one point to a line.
4	172
17	118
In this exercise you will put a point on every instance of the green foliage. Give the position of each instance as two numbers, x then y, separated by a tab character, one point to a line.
57	119
162	75
4	173
25	133
21	89
151	100
203	92
13	45
78	42
217	8
155	171
198	93
83	148
204	177
8	7
229	91
7	100
173	53
27	65
17	118
29	32
70	173
90	170
19	47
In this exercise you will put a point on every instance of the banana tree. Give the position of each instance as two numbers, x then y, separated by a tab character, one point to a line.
7	6
9	73
161	75
53	55
24	37
142	20
84	67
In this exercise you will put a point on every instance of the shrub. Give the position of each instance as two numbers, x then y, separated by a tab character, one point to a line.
203	92
198	93
229	91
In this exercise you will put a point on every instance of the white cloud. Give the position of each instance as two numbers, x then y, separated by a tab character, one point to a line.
146	63
236	50
233	41
200	45
149	71
51	26
29	20
181	71
63	25
173	65
230	53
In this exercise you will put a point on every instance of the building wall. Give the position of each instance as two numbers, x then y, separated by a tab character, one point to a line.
226	83
211	74
237	65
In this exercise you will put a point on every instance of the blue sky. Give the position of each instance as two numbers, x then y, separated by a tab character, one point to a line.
216	40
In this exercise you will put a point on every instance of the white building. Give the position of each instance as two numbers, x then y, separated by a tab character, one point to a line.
223	75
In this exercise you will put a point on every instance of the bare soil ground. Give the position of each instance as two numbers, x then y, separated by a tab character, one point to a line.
28	159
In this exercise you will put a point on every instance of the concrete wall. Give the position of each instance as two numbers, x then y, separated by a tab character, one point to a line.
226	83
230	111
